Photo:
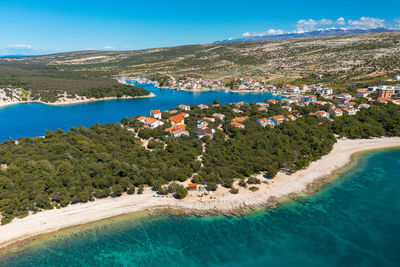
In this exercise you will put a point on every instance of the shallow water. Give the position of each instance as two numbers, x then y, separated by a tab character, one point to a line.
33	119
353	222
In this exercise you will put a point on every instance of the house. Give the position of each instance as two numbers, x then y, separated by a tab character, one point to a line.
303	87
239	104
337	112
177	120
179	132
202	106
209	119
183	114
237	110
309	98
219	116
350	104
200	133
384	100
240	119
342	98
262	105
155	114
290	117
149	122
264	122
272	101
184	107
320	103
278	119
363	93
386	93
364	106
288	108
286	101
192	186
322	114
237	125
350	111
202	124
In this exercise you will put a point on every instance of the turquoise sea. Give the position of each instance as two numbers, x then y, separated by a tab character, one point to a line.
354	221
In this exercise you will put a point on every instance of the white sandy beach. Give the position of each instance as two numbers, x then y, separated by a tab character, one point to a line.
282	185
72	101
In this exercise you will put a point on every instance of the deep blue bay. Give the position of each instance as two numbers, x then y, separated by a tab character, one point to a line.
33	119
355	221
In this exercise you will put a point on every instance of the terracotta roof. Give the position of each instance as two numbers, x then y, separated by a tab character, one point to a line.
157	111
176	118
240	119
236	124
175	128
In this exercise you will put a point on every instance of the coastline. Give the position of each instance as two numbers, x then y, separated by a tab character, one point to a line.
282	186
76	101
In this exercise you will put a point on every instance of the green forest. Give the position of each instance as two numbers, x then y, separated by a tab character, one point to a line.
108	160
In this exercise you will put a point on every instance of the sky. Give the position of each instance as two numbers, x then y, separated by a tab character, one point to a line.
44	26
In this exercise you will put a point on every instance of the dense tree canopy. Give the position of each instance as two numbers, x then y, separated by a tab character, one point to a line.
108	160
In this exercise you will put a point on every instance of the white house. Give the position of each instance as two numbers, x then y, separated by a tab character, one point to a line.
264	122
155	114
184	107
322	114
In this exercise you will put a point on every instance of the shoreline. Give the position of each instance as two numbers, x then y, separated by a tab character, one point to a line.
283	186
76	101
213	90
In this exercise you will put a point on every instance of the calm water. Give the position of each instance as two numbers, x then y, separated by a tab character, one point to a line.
33	119
353	222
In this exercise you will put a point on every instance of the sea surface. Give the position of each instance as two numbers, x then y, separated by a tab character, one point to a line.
354	221
32	119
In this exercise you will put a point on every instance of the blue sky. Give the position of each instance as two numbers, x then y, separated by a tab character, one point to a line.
43	26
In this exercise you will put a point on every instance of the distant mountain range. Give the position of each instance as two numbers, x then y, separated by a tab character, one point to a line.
317	33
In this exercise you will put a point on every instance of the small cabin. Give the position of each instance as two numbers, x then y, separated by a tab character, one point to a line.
192	186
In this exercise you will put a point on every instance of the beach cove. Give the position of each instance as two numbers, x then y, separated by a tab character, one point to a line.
282	186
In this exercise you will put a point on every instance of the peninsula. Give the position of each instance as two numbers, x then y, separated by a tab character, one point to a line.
220	202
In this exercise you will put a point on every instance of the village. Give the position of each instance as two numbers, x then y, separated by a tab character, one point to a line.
287	98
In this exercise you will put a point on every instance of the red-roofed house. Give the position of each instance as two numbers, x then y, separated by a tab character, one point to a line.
272	101
179	132
176	120
150	122
184	107
264	122
237	125
336	112
155	114
205	132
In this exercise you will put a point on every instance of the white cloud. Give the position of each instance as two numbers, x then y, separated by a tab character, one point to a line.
397	23
340	21
268	32
20	46
109	47
367	23
306	25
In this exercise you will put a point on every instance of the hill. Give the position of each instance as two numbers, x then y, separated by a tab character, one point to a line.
343	59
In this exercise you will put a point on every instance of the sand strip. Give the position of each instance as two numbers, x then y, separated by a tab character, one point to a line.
222	201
